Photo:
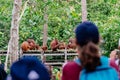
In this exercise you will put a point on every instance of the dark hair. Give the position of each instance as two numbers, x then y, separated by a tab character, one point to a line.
87	36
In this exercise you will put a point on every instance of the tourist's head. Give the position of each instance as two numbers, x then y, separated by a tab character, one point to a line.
87	39
29	68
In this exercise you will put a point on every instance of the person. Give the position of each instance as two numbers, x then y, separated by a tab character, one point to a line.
28	68
3	74
115	60
90	65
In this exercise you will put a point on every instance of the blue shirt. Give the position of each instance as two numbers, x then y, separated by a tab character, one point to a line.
102	72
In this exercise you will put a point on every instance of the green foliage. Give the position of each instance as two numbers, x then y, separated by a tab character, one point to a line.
106	16
111	34
5	20
63	16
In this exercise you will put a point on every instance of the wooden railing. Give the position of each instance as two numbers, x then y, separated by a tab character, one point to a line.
63	54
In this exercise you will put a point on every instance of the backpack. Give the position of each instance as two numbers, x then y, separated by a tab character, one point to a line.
103	72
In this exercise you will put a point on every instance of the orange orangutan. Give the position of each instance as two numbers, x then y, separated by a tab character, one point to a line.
71	44
62	45
30	45
44	47
54	45
25	46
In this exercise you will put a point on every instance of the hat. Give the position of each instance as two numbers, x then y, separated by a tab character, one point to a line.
87	32
29	68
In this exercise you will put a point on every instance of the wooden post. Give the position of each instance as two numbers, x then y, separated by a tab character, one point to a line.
45	25
84	10
42	56
119	42
65	52
0	59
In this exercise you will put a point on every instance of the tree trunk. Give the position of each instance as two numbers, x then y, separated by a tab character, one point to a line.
14	32
84	10
45	25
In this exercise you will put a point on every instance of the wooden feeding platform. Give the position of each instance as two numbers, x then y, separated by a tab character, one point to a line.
3	52
49	57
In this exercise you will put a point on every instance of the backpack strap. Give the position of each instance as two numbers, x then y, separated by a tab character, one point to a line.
103	69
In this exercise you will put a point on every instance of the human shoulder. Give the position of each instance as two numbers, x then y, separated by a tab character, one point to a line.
70	65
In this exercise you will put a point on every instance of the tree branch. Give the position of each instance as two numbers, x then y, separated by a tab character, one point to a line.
24	8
